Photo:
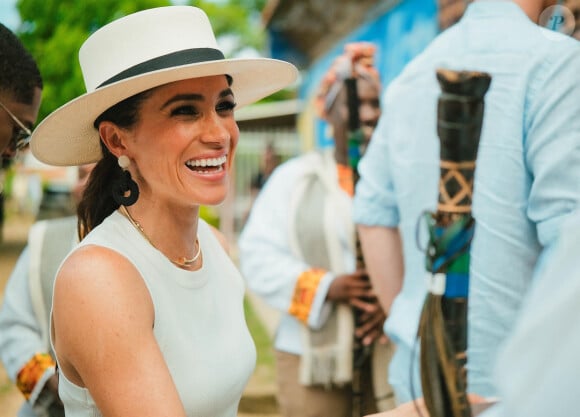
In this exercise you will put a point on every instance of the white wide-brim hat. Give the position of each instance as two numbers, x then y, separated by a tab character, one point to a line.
138	52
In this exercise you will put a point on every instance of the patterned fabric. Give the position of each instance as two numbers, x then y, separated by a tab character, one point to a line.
32	371
304	293
356	61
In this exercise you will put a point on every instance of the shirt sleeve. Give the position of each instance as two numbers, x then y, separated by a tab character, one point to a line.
22	350
537	371
552	141
267	262
375	199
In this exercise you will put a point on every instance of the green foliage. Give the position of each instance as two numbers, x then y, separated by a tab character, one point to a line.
211	215
53	31
237	19
286	94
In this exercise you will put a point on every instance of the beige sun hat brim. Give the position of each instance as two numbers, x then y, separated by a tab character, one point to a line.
67	136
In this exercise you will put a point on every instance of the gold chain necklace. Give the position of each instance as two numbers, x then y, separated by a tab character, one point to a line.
182	262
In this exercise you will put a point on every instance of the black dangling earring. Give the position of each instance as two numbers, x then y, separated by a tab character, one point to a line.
125	185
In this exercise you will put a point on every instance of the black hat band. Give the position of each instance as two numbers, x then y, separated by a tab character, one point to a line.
174	59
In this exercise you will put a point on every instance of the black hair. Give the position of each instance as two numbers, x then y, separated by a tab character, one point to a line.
19	74
97	202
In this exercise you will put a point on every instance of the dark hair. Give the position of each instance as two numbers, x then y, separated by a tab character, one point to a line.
19	74
97	202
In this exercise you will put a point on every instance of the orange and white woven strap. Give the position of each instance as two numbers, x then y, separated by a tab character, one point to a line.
32	371
304	293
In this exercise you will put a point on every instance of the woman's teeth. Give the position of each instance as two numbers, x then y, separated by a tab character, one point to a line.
210	162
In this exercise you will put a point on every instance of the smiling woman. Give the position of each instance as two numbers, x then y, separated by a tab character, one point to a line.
150	295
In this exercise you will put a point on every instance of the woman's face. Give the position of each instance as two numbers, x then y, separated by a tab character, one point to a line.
183	145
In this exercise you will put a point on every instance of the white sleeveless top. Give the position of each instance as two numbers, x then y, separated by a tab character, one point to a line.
199	322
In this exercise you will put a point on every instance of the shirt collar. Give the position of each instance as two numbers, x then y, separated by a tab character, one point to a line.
492	8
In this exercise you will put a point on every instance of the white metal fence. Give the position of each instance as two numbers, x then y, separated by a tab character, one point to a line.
251	146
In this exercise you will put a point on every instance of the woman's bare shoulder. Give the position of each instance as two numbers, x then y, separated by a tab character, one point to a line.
93	265
99	279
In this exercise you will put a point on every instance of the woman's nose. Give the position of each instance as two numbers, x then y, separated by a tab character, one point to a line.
216	130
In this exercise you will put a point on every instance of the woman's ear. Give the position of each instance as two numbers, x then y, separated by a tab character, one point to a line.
113	137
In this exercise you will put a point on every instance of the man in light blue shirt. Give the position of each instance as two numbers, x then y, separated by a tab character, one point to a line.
526	180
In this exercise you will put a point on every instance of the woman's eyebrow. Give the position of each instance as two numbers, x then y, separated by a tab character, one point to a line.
195	97
226	92
182	97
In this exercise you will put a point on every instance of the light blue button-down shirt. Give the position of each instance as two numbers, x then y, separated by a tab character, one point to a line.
527	178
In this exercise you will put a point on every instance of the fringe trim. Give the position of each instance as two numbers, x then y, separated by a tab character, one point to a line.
328	360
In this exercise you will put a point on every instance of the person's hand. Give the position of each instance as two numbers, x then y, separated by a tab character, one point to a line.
351	289
355	289
370	321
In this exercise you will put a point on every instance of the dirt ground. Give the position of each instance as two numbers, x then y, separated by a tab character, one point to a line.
259	397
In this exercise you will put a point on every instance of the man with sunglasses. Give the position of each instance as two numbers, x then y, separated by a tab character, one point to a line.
20	94
20	133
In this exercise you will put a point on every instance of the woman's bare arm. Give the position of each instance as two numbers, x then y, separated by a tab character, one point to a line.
103	332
